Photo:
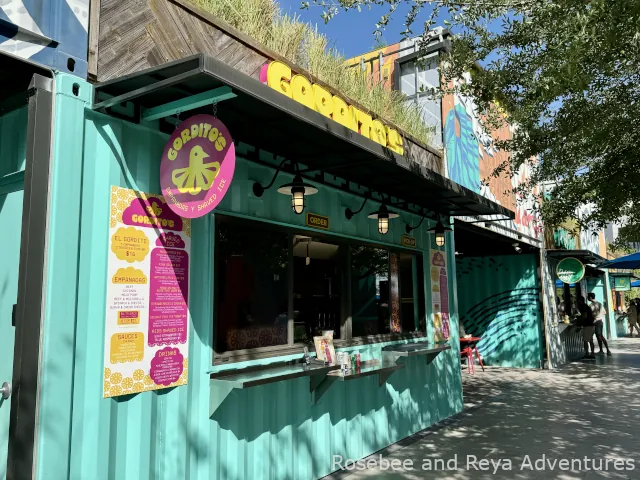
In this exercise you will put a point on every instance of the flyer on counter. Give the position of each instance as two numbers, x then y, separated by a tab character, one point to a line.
146	333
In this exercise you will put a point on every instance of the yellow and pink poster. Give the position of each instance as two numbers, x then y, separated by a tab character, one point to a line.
146	330
440	296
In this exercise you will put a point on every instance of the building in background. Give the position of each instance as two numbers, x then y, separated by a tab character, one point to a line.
506	276
52	33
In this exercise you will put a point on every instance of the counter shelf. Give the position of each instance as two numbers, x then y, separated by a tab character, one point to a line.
562	327
368	368
223	383
394	353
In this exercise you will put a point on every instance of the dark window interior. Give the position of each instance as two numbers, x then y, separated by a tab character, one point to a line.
317	287
369	290
412	313
253	287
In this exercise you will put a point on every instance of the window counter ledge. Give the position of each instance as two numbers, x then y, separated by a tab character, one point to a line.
368	368
223	383
395	353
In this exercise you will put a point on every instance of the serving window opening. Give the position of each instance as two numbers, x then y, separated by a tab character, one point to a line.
278	287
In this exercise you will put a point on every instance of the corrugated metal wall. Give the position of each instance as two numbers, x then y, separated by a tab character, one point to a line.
267	432
499	300
13	131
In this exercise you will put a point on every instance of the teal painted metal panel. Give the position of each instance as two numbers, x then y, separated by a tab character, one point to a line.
13	128
267	432
499	300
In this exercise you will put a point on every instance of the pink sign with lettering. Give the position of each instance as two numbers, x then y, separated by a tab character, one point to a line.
166	366
168	310
197	166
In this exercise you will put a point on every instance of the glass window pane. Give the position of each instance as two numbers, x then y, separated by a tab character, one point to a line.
412	293
251	282
317	286
369	291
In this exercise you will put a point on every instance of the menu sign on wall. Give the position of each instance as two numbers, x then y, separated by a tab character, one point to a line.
440	296
146	331
394	292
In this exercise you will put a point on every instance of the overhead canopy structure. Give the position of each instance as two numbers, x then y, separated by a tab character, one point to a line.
264	118
628	262
585	256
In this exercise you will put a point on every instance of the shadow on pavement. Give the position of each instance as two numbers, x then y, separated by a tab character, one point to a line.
582	409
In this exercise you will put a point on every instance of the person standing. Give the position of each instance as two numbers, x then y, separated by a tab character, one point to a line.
632	317
598	322
586	320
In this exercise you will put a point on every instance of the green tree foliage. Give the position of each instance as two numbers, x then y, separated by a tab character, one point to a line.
567	74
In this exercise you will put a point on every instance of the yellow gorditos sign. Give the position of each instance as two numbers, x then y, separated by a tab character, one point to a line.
278	76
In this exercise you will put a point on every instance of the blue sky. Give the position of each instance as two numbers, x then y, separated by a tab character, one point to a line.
352	32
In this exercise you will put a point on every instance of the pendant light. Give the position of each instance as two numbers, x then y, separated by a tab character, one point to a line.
439	230
297	188
383	215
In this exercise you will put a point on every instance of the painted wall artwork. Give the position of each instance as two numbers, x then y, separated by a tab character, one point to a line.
471	158
499	301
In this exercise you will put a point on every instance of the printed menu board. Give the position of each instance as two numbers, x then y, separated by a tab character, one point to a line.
146	331
394	292
440	296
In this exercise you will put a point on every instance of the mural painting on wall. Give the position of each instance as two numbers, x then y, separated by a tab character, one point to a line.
589	238
371	61
472	157
439	296
505	312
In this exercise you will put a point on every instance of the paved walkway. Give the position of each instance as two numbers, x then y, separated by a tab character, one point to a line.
583	409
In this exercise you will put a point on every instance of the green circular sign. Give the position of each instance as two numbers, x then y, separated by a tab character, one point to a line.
570	270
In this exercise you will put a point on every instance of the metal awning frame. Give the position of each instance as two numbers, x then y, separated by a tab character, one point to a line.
582	255
404	182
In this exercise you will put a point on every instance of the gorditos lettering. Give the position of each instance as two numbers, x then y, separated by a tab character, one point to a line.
278	76
197	130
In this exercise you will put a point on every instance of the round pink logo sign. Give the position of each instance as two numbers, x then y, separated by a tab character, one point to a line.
197	166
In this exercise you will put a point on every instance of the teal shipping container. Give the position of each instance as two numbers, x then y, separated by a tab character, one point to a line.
262	282
499	301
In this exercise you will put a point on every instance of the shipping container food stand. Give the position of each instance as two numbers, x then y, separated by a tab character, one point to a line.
173	345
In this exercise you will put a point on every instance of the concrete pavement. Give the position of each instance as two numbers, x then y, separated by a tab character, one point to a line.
532	424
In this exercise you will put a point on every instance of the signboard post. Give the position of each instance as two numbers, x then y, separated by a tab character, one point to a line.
622	284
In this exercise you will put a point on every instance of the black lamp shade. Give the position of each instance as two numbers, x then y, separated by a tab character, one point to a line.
383	215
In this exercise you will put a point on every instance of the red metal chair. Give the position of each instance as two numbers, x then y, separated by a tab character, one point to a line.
468	353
